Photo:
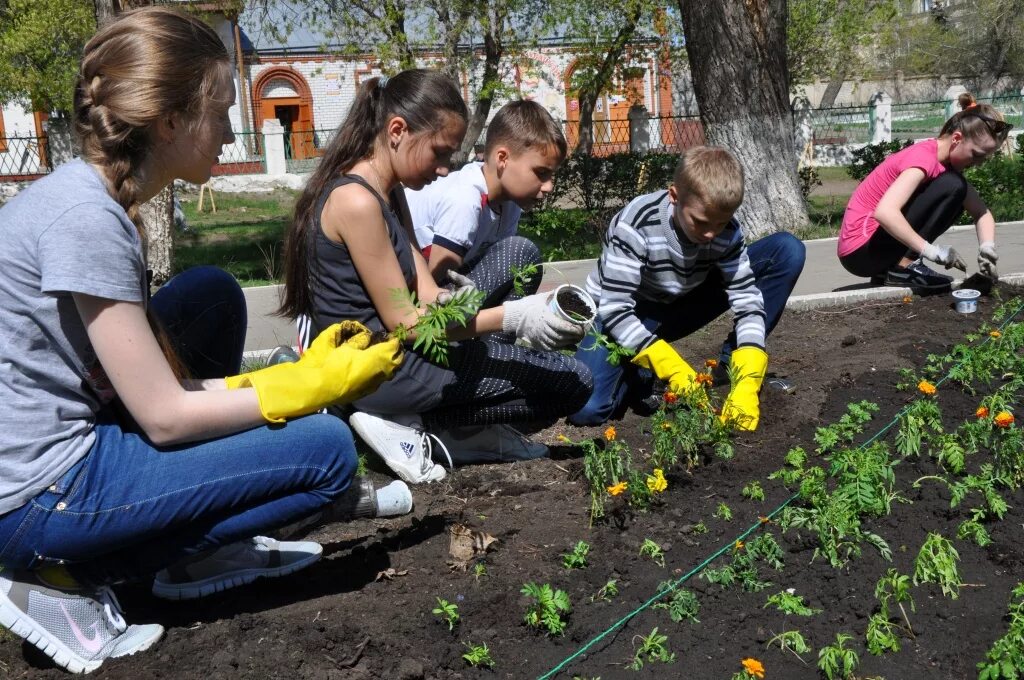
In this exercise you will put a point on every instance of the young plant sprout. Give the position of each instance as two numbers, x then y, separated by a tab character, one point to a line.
547	609
577	558
430	332
936	563
651	549
478	655
652	648
447	612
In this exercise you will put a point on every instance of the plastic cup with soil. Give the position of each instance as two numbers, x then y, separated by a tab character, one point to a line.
574	304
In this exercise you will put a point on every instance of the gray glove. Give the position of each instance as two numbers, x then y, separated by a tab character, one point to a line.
464	284
944	255
987	259
537	326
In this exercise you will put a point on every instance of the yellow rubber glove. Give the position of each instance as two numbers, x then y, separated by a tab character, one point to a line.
742	408
355	334
332	375
666	363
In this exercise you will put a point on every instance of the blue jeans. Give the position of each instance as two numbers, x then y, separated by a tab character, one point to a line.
128	508
777	261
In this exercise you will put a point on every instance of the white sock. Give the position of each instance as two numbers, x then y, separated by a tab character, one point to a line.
394	499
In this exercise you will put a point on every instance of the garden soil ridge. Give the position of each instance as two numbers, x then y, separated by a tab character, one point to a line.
337	620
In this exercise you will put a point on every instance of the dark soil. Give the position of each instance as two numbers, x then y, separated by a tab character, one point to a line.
573	305
337	620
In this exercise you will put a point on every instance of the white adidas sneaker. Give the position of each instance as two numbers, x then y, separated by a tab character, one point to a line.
401	443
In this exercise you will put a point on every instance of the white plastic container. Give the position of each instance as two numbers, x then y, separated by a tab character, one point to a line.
583	295
966	300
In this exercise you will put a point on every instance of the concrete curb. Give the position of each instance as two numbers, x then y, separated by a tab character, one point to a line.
803	303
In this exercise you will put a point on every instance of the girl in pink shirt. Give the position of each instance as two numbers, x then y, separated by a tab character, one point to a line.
915	195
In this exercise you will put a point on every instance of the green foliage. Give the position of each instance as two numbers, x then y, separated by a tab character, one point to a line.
478	655
753	491
681	605
723	512
809	178
652	648
936	563
607	591
881	635
793	471
41	45
479	570
605	464
577	558
651	549
447	612
893	588
743	568
788	602
827	38
870	156
686	428
1005	659
919	421
431	329
547	609
616	352
564	233
836	661
843	431
791	640
523	276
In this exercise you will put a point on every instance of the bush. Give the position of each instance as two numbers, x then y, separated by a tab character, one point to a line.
870	156
564	234
604	184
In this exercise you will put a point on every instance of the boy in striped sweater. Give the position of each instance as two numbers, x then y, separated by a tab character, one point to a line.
672	262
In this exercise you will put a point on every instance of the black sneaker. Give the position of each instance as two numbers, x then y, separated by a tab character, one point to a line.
918	278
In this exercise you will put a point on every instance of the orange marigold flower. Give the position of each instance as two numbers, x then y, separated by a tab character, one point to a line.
907	299
982	412
763	520
670	397
1003	419
616	489
754	667
739	545
563	438
996	334
609	434
704	379
666	426
925	387
711	363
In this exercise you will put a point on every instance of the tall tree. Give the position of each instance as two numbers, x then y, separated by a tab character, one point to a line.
737	54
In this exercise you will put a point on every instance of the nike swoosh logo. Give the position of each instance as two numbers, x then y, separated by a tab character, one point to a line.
91	645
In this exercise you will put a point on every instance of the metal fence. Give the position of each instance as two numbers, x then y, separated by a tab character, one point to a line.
841	125
302	150
243	157
918	120
23	158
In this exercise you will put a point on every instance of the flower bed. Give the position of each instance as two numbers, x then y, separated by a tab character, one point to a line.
861	532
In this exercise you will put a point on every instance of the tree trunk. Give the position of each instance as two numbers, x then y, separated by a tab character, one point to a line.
737	54
602	79
158	216
105	10
493	50
835	84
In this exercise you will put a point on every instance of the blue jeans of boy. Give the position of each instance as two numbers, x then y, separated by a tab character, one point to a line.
777	261
129	509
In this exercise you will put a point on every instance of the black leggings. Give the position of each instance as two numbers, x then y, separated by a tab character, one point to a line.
931	211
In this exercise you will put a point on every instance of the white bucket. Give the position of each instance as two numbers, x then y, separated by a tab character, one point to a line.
966	300
584	295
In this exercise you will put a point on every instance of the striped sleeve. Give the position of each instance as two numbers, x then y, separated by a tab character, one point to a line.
745	297
619	274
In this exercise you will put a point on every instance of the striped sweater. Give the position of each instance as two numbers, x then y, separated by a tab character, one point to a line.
646	257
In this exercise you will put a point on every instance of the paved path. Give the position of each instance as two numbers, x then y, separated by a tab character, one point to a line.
823	282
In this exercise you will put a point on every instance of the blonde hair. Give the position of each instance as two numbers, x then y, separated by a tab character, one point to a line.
139	68
523	125
712	175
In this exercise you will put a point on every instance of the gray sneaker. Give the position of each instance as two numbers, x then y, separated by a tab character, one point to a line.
233	565
489	444
77	629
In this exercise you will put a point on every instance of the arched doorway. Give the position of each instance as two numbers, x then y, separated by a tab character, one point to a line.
282	93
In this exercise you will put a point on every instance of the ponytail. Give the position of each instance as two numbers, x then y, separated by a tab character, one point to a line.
976	122
425	99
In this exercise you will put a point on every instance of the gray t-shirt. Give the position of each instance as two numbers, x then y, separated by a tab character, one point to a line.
64	234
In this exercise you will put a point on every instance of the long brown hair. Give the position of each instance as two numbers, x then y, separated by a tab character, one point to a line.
141	67
425	99
975	122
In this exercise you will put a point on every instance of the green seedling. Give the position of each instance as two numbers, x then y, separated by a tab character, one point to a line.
936	563
478	655
479	570
607	591
652	648
699	528
789	603
753	491
836	661
430	332
577	559
651	549
681	605
744	566
881	635
522	276
1005	659
723	512
918	423
791	641
547	609
447	612
606	466
846	428
894	588
616	352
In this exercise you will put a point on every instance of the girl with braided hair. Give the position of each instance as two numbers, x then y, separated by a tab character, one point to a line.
113	465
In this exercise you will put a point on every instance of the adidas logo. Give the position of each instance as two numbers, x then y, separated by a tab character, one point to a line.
408	447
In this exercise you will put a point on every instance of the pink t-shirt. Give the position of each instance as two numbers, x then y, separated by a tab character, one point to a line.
859	221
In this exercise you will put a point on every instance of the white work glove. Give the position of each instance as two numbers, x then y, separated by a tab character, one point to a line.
944	255
537	326
463	284
987	259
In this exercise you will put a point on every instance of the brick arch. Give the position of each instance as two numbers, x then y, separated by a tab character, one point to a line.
302	136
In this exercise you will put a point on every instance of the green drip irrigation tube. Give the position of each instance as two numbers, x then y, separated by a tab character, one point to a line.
718	553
